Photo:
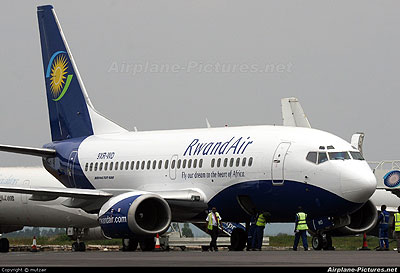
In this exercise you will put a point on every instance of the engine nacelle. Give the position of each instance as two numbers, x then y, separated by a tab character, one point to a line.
133	213
362	220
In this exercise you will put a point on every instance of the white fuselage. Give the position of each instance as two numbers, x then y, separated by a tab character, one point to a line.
263	162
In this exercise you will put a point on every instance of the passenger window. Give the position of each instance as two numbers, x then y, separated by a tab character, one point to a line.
95	166
132	165
219	162
212	162
111	165
137	165
179	164
231	162
143	164
201	163
116	166
173	164
154	164
339	155
166	164
86	167
312	157
189	163
101	166
250	161
121	166
106	166
244	162
126	165
184	163
237	162
225	162
160	164
357	156
148	164
195	163
322	157
91	166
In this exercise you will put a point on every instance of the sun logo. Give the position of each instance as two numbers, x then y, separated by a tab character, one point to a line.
57	72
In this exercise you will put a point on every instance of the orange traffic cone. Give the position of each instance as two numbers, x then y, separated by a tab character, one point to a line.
365	243
34	247
158	246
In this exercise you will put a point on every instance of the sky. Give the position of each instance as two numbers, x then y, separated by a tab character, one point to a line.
172	64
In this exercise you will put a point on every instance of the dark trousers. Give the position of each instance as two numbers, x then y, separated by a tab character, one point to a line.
303	234
257	237
214	235
397	237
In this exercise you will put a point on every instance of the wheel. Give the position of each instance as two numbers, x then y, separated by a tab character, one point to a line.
238	239
147	244
317	242
82	247
75	246
4	245
129	244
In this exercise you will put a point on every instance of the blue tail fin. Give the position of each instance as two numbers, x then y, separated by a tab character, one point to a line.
70	110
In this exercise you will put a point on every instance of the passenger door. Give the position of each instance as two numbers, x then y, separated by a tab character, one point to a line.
278	163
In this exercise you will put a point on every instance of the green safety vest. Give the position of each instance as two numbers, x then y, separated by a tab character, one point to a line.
210	221
397	221
260	221
302	223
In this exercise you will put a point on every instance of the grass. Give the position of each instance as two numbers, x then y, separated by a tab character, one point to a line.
340	243
282	240
61	239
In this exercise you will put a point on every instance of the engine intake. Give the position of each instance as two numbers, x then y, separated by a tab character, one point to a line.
362	220
132	214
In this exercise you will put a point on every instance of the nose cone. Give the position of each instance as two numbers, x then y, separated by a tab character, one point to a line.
358	183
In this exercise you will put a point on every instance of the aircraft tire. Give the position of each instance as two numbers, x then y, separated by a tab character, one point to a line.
4	245
238	239
317	242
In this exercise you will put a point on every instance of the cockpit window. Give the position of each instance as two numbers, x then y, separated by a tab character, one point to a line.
339	155
322	157
357	156
312	157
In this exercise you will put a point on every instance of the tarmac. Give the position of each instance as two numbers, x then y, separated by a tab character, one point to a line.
223	258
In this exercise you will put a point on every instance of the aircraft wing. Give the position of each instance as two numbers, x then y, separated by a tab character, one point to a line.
91	200
293	114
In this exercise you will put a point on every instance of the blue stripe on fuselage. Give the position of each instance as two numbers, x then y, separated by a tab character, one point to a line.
281	201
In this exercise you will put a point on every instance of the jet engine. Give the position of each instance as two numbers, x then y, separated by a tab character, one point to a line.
134	214
362	220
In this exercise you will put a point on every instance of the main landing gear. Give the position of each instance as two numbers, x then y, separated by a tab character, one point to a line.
4	245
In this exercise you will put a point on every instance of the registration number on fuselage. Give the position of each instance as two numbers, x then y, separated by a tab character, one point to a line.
106	155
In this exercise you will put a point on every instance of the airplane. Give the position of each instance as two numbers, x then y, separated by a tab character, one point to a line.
387	192
138	182
19	210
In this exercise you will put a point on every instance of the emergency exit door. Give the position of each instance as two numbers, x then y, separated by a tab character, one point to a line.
278	163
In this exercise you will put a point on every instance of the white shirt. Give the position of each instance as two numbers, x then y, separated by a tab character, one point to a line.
214	219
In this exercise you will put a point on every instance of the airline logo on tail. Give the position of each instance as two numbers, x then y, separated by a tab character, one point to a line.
58	74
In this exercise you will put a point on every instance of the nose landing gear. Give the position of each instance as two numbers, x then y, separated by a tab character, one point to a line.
323	241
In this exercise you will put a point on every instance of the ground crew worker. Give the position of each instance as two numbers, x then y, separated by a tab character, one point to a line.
383	220
213	224
252	228
396	226
300	229
259	231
